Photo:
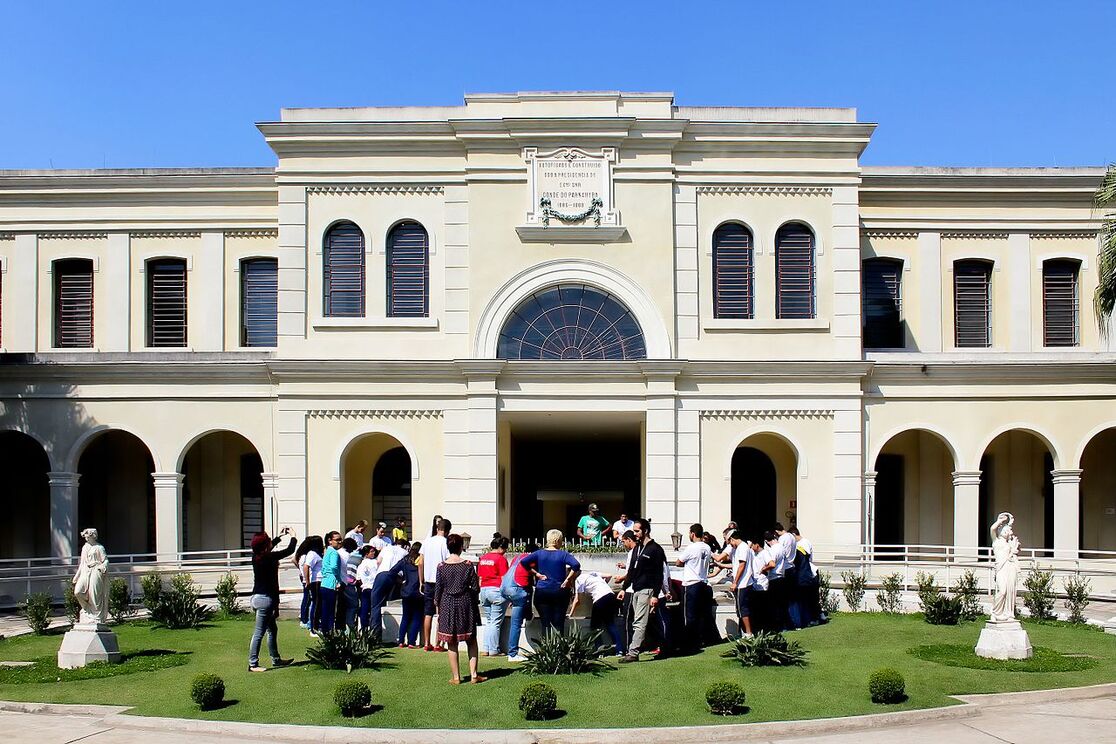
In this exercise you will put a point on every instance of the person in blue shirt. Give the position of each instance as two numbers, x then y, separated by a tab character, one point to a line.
407	571
333	579
555	570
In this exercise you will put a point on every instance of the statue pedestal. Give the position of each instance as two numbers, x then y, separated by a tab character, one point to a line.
86	643
1004	640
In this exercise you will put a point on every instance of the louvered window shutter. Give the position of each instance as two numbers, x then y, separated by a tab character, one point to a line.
166	303
344	271
972	303
733	272
73	303
794	272
1060	303
883	303
259	292
408	269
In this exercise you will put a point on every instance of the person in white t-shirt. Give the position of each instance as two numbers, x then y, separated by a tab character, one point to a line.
365	575
382	585
433	553
606	607
742	579
620	526
762	611
381	539
357	533
788	548
697	595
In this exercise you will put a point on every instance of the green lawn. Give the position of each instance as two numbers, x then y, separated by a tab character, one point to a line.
413	690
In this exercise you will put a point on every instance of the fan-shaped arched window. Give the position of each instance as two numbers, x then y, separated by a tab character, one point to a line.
571	322
882	298
408	271
343	271
733	271
794	271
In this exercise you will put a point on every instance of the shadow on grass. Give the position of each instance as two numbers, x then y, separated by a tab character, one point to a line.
222	705
498	672
743	710
364	712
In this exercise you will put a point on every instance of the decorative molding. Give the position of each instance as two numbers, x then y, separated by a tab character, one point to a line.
73	235
1052	235
766	190
264	232
974	234
368	413
166	234
763	415
7	236
373	188
885	233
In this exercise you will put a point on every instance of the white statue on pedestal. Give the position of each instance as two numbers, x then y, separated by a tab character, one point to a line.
1005	550
91	581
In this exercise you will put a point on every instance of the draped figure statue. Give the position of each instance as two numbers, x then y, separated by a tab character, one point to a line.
91	581
1005	551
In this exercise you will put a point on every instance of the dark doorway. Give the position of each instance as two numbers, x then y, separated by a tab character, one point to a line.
984	497
754	500
391	487
889	501
25	497
1048	501
116	493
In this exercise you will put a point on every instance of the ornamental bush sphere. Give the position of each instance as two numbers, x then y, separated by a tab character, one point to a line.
538	701
725	698
207	690
351	696
886	686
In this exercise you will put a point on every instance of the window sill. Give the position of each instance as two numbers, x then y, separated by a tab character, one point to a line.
570	233
768	325
375	324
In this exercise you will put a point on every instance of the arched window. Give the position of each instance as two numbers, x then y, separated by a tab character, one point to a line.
972	303
794	271
408	271
1060	304
343	266
571	322
882	298
733	271
73	303
166	303
259	294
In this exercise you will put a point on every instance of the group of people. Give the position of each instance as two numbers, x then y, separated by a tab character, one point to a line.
347	581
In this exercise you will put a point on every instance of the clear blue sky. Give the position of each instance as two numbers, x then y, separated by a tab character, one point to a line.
131	84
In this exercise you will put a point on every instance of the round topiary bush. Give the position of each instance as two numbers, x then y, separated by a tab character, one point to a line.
538	701
351	696
725	698
886	686
207	690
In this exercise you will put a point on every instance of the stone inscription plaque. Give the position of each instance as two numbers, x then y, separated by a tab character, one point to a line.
570	187
571	183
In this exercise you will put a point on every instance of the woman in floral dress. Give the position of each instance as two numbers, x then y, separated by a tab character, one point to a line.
456	596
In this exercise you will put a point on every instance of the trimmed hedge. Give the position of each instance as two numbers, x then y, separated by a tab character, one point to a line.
351	697
538	701
887	686
725	698
207	690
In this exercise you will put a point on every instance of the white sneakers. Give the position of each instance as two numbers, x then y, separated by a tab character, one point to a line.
515	659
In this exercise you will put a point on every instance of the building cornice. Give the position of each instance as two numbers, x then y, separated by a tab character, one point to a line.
1046	369
376	188
138	367
371	413
759	414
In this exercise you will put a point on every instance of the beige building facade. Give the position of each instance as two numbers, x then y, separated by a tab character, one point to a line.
501	311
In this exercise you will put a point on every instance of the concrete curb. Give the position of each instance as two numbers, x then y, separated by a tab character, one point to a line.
970	706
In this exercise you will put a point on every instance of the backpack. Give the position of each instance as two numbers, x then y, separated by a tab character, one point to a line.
508	580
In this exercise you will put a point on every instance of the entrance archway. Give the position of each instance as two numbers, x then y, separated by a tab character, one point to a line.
914	490
116	493
1098	492
222	492
764	487
1015	476
376	475
25	528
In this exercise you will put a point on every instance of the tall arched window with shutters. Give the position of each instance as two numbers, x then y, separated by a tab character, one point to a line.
408	271
794	272
259	294
166	303
1060	304
343	271
972	304
73	303
733	272
882	299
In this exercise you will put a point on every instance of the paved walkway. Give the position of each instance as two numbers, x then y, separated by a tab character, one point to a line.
1068	715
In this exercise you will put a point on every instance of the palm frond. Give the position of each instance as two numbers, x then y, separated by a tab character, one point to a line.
1104	298
1106	192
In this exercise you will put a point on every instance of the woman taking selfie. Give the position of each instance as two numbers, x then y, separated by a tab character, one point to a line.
265	595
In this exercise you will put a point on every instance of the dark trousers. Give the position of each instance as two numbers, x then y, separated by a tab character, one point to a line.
790	583
759	605
328	599
777	589
697	600
411	625
605	615
351	602
809	601
552	605
365	607
381	590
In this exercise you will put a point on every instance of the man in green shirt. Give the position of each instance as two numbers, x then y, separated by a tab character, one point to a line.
592	526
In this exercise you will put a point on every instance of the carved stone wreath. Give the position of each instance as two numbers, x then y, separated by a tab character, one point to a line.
593	211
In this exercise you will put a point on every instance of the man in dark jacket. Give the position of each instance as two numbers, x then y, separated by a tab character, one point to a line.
645	580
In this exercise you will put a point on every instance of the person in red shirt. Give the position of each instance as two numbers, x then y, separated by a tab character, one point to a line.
491	569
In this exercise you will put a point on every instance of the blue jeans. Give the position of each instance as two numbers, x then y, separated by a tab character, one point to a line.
351	600
304	609
365	607
411	624
493	605
697	601
265	623
517	599
328	600
381	591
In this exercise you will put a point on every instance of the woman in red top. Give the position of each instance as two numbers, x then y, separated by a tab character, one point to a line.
491	569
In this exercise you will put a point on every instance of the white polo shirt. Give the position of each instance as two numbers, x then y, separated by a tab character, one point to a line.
696	563
760	560
389	556
358	536
743	555
789	546
434	552
366	573
620	527
380	542
591	583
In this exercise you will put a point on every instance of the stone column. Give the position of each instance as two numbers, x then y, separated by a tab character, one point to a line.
870	508
966	511
661	450
1067	512
271	505
168	514
64	513
473	509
